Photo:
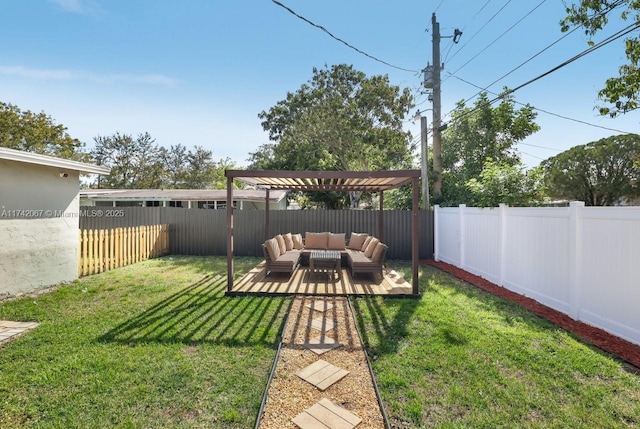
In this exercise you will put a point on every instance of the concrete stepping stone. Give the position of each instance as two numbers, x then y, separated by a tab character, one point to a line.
322	324
322	374
320	305
322	344
325	414
10	329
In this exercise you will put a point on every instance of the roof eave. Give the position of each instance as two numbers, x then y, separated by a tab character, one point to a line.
51	161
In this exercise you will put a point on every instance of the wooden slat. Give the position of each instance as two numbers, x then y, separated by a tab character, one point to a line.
311	369
103	250
325	414
343	413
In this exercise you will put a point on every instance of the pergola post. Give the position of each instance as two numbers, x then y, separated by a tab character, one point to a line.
229	233
267	229
414	235
381	217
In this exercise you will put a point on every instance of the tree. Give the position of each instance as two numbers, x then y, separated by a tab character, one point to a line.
339	120
478	138
219	180
599	173
134	163
504	183
621	92
141	164
37	132
174	166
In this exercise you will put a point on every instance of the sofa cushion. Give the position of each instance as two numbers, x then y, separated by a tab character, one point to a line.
336	241
272	248
358	259
366	243
356	240
289	257
283	247
297	241
288	241
316	240
371	247
377	253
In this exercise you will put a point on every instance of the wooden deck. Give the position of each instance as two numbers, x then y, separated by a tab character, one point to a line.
304	282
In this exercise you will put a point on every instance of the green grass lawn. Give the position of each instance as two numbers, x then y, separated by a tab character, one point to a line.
153	345
157	344
460	357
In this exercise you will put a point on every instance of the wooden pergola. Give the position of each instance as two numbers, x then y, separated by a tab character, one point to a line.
341	181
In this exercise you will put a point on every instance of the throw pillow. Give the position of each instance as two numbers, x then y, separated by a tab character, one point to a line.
371	247
288	241
272	248
281	245
336	241
357	240
297	241
377	253
316	240
366	243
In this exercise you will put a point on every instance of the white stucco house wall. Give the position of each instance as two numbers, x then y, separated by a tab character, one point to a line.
39	218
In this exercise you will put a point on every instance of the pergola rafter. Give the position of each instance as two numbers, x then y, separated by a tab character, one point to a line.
341	181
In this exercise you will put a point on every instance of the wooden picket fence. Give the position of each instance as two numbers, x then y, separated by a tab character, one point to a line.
106	249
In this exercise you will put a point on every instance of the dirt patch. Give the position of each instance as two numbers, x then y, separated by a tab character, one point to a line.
625	350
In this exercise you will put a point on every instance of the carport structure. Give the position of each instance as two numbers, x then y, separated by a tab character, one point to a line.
340	181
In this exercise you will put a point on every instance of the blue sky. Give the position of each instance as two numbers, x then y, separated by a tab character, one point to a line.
198	72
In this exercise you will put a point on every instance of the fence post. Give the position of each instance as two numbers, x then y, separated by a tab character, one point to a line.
575	258
502	210
461	212
436	232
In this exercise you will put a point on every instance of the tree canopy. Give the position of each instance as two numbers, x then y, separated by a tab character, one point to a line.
139	163
339	120
621	93
599	173
503	183
479	153
38	133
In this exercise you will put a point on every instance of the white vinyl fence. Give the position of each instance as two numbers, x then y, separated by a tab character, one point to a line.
582	261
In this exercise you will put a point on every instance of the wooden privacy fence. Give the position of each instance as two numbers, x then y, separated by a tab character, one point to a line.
106	249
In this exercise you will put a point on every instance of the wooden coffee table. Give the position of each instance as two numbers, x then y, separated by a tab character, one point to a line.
327	261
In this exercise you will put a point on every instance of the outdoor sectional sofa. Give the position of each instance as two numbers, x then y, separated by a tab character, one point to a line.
363	253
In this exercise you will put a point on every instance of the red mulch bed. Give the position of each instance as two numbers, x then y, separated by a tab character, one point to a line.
625	350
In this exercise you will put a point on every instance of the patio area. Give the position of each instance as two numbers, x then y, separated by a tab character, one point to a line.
304	282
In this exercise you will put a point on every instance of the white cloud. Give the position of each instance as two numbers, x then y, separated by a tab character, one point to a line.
79	75
83	7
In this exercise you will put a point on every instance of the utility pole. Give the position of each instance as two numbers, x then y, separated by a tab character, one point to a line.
437	143
432	80
425	158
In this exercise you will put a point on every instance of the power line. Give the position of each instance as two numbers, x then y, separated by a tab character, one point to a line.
532	156
517	67
451	44
340	40
603	12
598	45
593	48
548	112
500	36
481	28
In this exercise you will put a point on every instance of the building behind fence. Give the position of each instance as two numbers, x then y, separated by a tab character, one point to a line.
582	261
106	249
204	232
